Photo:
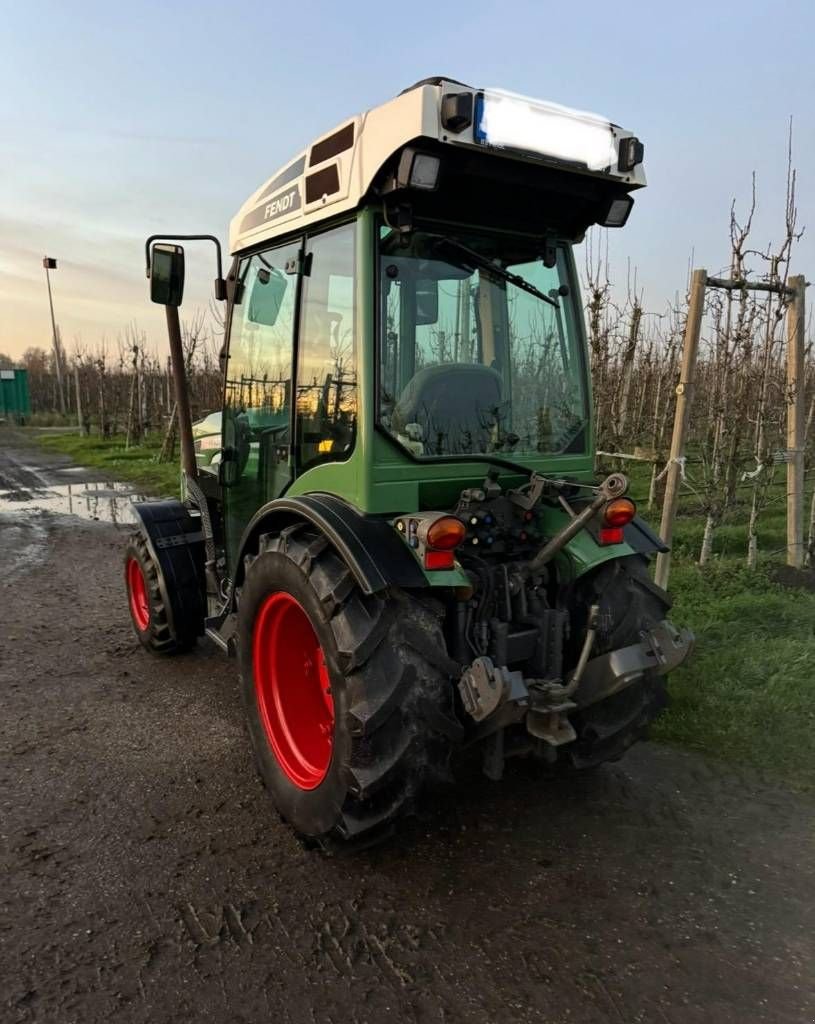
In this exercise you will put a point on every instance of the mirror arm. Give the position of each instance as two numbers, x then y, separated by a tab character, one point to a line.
220	283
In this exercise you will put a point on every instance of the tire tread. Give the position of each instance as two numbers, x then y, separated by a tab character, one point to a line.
398	676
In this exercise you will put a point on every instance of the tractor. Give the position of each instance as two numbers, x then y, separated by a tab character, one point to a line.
397	528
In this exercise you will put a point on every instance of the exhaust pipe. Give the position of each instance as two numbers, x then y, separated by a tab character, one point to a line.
182	397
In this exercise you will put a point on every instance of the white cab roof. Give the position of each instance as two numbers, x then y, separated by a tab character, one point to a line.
333	174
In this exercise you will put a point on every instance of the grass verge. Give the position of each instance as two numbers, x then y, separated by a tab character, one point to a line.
746	695
137	464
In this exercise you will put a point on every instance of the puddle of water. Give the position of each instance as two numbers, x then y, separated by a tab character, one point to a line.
102	502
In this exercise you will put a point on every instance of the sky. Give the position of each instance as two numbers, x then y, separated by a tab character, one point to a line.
122	120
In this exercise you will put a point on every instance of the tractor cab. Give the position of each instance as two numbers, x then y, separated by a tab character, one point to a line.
393	520
404	301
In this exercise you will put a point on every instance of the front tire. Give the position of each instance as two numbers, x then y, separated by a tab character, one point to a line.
348	696
148	609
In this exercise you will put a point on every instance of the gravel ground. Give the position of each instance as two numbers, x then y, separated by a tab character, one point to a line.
145	878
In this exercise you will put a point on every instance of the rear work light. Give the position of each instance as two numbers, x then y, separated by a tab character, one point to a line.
616	515
416	170
617	212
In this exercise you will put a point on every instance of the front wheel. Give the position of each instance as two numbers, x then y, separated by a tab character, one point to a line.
348	696
147	605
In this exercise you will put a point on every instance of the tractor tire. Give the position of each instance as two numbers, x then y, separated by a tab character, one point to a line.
148	611
629	602
348	697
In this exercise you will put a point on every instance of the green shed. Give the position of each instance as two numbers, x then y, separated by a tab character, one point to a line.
15	402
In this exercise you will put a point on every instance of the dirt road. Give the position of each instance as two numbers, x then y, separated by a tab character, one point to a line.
146	879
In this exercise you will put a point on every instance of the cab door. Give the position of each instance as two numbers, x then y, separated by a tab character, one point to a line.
256	421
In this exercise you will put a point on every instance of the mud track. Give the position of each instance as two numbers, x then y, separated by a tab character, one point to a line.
145	877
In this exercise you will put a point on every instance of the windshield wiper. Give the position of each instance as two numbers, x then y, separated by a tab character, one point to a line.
494	268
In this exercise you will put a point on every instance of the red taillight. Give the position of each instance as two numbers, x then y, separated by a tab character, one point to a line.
446	533
440	537
619	513
610	535
439	559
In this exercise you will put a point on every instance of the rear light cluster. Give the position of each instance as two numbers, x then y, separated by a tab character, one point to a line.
208	443
438	559
434	538
615	516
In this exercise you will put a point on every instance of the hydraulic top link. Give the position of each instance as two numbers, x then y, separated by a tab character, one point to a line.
612	487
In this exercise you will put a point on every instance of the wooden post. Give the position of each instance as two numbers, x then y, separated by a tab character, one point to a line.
684	398
78	402
795	424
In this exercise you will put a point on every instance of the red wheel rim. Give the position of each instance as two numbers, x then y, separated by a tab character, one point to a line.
137	591
293	690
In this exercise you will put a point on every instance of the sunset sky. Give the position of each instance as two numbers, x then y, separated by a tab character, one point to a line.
117	121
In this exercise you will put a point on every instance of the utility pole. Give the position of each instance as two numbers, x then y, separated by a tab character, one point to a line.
49	263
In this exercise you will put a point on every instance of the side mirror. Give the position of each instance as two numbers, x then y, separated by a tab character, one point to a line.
228	468
236	447
167	274
266	296
427	302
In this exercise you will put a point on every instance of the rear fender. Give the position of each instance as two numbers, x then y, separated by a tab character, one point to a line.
371	548
176	544
583	553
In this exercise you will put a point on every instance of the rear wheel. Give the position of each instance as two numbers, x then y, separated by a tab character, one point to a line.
148	610
348	696
293	690
629	603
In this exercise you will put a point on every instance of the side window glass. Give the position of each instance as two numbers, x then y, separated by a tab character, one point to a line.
257	400
258	380
327	362
546	378
259	375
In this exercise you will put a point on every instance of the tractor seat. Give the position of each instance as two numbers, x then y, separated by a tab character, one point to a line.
456	405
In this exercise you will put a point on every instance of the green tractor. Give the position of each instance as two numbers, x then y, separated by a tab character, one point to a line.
400	536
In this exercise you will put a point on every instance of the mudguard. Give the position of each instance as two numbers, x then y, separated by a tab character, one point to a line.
583	552
176	543
370	547
640	537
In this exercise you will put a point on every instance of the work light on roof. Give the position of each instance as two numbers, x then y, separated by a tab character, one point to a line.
508	121
617	213
417	170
